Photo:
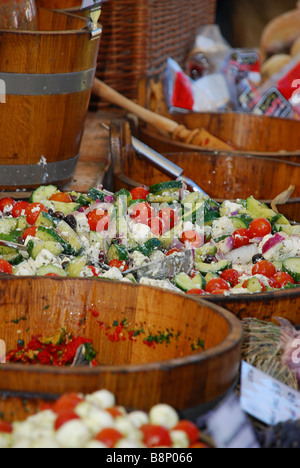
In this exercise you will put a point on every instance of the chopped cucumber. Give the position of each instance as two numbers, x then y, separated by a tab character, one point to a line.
50	270
253	285
159	189
185	283
149	247
210	217
43	193
70	236
210	276
205	268
49	234
65	208
193	212
117	252
45	219
292	267
168	197
204	251
76	265
7	225
242	221
35	246
96	194
13	258
260	210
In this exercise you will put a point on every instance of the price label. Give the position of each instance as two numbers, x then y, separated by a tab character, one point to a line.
267	399
2	352
229	426
87	4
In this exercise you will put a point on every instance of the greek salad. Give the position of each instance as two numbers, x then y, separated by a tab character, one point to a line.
238	247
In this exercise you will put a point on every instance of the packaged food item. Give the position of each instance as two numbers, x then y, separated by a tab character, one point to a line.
281	94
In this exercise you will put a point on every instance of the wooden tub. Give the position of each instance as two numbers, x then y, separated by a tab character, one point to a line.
247	133
48	75
221	175
140	376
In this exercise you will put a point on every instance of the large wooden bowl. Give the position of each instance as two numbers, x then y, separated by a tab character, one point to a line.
249	133
138	375
221	175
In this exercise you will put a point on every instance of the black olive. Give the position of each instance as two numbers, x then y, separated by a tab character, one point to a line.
257	258
71	221
59	215
209	259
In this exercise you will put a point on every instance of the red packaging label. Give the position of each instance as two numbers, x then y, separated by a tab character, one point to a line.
182	93
290	83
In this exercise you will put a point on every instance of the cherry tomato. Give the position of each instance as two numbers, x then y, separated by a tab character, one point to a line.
240	238
93	270
169	217
217	284
109	437
172	251
264	268
31	231
139	193
199	445
6	427
190	429
260	228
196	292
6	267
52	275
61	197
193	238
114	412
231	276
282	279
157	225
64	417
33	211
156	436
6	203
120	264
19	209
98	220
68	401
142	212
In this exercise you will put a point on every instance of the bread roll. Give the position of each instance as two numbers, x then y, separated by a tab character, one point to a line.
274	65
281	33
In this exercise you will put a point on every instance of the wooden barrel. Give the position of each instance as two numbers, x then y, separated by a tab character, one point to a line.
173	372
48	75
221	175
58	4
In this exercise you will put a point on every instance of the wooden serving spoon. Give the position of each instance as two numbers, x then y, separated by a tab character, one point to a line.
199	137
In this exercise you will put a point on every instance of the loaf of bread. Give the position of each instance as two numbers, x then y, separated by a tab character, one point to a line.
280	34
274	64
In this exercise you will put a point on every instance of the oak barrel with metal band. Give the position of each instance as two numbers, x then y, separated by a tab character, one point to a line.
47	76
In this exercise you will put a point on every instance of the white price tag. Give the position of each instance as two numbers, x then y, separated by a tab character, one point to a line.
229	426
267	399
2	352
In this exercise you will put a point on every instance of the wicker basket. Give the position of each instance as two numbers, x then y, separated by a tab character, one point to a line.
139	36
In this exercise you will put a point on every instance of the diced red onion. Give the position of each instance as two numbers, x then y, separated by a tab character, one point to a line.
256	240
226	246
272	242
243	255
109	199
176	244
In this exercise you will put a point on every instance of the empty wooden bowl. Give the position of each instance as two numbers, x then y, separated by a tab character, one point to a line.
139	375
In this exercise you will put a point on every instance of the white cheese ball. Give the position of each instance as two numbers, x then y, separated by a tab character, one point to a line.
127	429
94	444
103	399
48	443
6	440
129	444
179	439
164	415
138	418
94	418
73	434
